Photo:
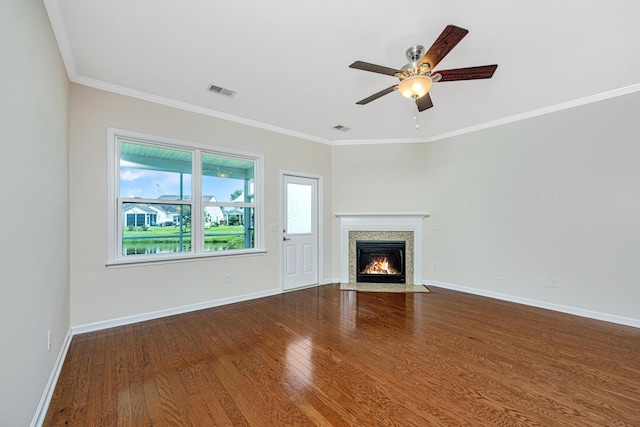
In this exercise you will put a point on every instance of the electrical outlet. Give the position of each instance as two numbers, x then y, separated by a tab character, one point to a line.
435	266
49	340
229	278
434	226
501	275
553	283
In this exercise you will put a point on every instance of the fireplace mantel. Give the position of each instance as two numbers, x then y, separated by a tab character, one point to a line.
381	222
395	214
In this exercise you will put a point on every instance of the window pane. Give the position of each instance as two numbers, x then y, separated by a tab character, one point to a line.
158	188
148	172
227	179
155	228
298	208
228	228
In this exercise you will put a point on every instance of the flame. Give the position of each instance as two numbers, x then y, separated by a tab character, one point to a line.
379	265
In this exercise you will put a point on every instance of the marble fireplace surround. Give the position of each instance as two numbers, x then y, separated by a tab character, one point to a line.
381	226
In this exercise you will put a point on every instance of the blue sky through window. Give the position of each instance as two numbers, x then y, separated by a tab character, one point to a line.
150	184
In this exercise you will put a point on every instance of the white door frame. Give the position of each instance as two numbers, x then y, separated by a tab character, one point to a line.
320	195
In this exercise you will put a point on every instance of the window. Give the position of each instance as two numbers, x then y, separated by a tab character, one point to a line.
171	200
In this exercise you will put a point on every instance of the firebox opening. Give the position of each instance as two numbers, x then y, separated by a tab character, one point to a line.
380	261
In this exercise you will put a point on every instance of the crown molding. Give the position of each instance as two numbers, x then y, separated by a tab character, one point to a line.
61	35
503	121
121	90
64	45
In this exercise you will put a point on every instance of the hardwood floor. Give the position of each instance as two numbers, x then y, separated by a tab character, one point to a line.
326	357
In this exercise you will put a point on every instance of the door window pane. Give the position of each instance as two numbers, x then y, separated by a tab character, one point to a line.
299	208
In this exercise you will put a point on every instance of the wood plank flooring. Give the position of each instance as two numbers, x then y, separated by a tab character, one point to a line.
326	357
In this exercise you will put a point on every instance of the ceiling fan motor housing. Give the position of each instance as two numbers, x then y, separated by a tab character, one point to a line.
414	68
414	53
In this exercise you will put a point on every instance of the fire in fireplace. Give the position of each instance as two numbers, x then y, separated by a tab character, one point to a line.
380	261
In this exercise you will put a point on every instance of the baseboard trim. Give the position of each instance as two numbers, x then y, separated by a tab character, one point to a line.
45	400
127	320
612	318
43	406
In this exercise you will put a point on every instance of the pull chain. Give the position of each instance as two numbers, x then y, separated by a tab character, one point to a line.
415	114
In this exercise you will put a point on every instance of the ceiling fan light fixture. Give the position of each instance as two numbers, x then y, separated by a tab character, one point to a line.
223	173
415	87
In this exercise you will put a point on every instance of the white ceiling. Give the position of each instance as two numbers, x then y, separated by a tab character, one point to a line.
288	60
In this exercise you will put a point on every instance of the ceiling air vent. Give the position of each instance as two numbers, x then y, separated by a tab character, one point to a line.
221	91
341	128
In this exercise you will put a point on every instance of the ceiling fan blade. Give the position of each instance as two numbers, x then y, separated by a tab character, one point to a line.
377	95
359	65
424	102
449	38
469	73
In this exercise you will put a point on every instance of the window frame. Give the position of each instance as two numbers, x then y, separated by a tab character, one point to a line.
115	202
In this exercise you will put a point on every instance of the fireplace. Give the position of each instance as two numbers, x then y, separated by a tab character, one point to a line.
385	227
380	261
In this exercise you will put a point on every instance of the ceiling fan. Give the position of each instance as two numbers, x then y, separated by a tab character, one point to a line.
417	77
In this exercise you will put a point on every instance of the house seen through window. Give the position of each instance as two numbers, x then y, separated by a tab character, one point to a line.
175	200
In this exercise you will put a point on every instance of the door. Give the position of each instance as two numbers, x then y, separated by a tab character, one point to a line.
300	231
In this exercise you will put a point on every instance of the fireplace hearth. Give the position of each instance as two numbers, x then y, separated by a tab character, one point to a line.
380	261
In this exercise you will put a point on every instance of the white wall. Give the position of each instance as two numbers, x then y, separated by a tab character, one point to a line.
379	178
34	254
99	293
484	191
